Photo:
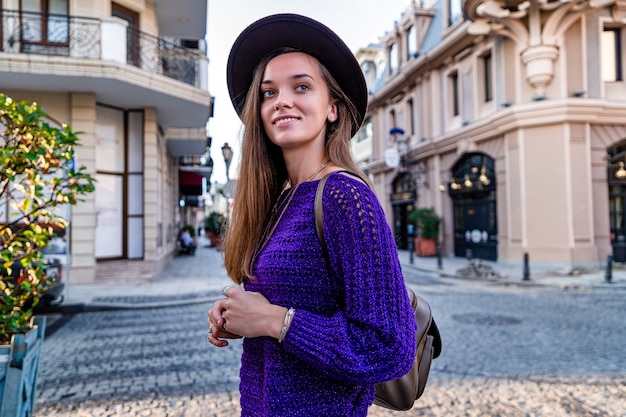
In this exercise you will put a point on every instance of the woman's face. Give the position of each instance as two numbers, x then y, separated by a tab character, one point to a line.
295	102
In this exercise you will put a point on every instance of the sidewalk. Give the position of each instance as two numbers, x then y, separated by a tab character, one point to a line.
200	278
510	273
188	279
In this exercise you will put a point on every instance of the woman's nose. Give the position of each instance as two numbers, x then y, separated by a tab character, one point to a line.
283	100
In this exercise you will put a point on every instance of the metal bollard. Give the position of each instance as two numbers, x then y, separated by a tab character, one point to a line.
410	235
609	269
439	260
526	268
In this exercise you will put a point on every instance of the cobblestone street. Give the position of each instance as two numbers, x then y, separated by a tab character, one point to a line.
507	352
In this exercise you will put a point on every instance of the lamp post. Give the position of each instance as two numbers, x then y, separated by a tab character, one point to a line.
227	153
392	155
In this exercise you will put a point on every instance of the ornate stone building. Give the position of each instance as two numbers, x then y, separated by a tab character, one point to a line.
131	75
510	120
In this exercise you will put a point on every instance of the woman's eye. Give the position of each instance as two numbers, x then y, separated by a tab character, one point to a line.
267	93
303	87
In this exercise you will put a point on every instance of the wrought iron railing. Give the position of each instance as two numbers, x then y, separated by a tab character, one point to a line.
204	161
81	37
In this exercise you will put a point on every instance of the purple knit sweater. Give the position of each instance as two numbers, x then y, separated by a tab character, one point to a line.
353	325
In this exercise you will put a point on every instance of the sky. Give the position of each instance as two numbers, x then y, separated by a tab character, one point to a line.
357	22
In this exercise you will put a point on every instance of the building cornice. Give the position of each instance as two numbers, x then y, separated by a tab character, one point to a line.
535	114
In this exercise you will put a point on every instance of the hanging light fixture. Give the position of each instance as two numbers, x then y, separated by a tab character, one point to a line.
483	176
621	172
455	185
467	182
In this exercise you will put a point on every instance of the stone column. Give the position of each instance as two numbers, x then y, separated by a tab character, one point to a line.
83	214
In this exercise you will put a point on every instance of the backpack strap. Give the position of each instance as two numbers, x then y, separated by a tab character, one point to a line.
319	209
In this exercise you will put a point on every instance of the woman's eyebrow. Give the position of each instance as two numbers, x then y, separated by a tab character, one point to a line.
293	77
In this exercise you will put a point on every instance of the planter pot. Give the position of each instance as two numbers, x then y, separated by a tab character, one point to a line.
216	241
19	363
425	247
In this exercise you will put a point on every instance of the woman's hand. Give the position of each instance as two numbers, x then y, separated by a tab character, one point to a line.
243	314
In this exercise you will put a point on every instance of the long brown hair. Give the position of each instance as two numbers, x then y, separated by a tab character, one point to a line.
263	174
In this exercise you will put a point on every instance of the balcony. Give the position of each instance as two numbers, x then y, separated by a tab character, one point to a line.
122	66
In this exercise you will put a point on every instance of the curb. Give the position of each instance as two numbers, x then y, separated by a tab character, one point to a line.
520	282
163	302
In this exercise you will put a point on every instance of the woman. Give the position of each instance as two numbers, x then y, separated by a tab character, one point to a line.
319	333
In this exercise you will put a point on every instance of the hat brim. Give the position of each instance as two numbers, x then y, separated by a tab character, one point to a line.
302	33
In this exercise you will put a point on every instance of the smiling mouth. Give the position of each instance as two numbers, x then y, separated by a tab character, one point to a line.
285	120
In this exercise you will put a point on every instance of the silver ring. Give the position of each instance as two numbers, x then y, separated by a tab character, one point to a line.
211	328
225	291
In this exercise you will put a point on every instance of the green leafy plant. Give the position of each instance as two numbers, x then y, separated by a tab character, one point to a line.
427	221
214	223
37	177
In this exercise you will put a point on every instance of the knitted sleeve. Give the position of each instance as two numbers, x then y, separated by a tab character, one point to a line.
372	337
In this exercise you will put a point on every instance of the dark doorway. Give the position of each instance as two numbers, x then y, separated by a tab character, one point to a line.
402	200
473	192
617	200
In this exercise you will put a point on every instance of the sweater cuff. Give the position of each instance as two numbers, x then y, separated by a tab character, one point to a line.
311	337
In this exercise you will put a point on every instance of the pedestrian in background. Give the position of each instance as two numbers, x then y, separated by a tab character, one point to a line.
186	241
318	332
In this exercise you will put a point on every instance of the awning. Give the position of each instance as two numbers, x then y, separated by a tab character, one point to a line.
189	183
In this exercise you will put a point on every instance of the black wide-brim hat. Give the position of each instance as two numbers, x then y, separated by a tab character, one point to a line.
304	34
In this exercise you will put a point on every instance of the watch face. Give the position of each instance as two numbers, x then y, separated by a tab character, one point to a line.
392	159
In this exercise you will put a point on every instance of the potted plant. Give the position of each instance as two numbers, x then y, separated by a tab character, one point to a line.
214	225
426	222
37	176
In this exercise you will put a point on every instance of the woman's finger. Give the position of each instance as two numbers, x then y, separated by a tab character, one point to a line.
216	341
215	314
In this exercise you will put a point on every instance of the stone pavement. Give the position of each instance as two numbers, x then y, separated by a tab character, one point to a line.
199	278
513	348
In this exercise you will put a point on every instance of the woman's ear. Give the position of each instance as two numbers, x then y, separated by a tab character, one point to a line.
332	113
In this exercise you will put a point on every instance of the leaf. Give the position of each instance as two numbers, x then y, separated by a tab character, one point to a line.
35	154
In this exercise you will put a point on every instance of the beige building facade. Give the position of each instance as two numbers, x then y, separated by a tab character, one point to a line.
509	118
132	76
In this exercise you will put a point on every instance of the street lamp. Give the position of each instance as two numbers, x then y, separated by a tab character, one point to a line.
392	153
227	153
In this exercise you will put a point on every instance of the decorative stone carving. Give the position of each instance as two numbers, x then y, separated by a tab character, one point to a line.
539	61
533	25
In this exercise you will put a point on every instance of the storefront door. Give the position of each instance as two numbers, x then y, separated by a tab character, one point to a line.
473	193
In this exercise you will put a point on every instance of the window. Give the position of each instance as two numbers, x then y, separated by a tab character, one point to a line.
393	58
610	49
132	33
369	71
453	83
487	77
456	12
120	197
411	42
366	131
411	117
44	22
